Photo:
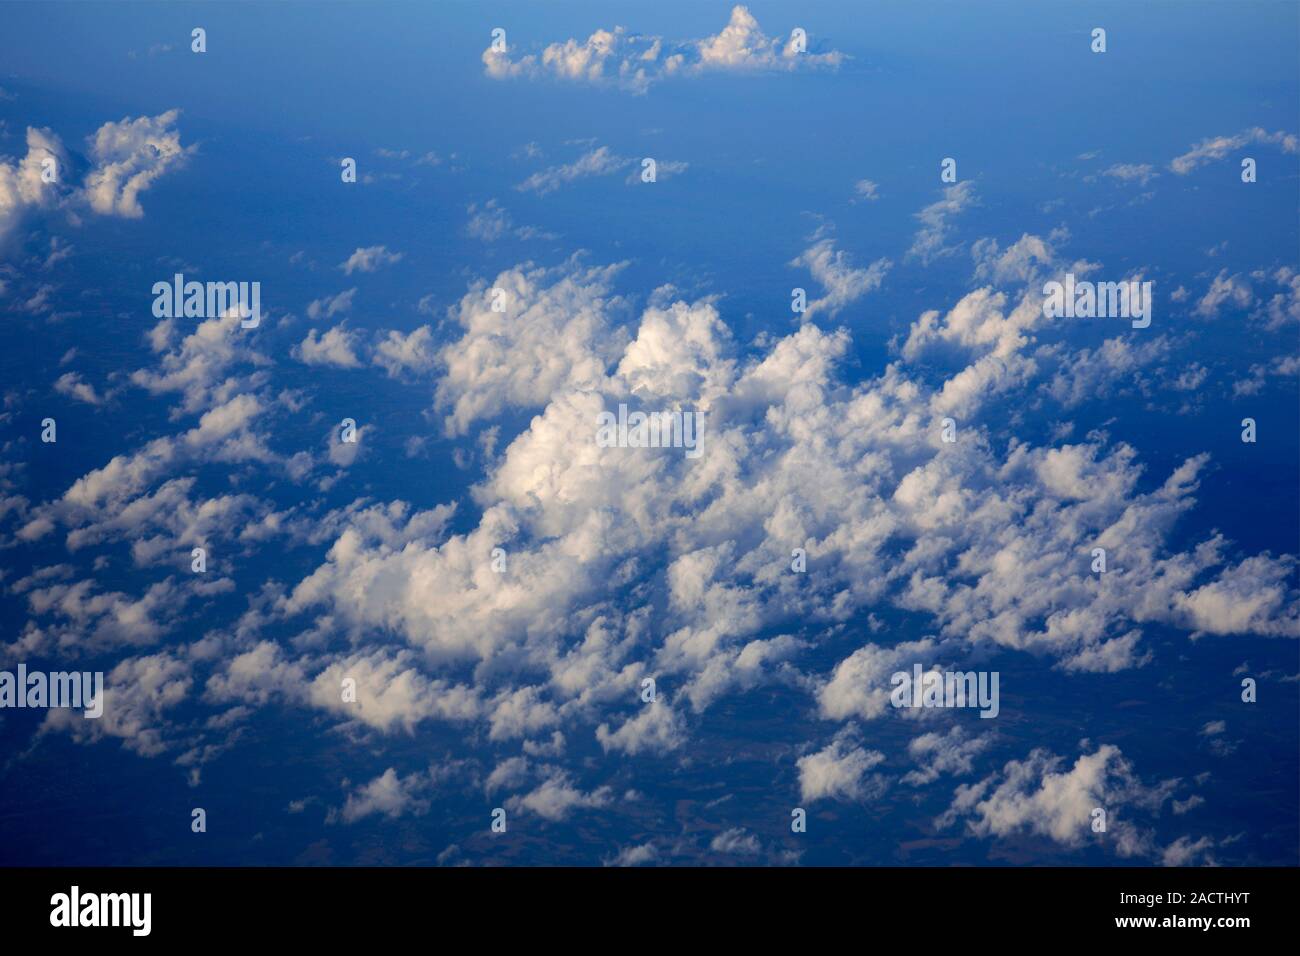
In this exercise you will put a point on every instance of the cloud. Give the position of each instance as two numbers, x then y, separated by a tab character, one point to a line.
1089	373
841	282
1225	290
656	729
336	347
137	694
399	354
331	306
200	367
860	687
72	385
130	156
938	754
1283	308
931	240
167	522
636	855
1026	262
554	332
509	774
596	162
736	841
1140	173
23	186
1237	292
83	619
634	63
743	668
627	56
387	794
521	713
40	301
867	190
392	692
557	798
1036	796
490	222
1280	366
1217	147
742	46
838	772
369	259
1185	851
59	250
1252	595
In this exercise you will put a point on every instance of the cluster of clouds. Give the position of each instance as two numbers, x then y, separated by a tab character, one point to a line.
635	63
489	222
628	563
624	565
227	407
1277	306
1212	149
125	159
1036	796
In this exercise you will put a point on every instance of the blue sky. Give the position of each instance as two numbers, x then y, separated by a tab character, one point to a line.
521	688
